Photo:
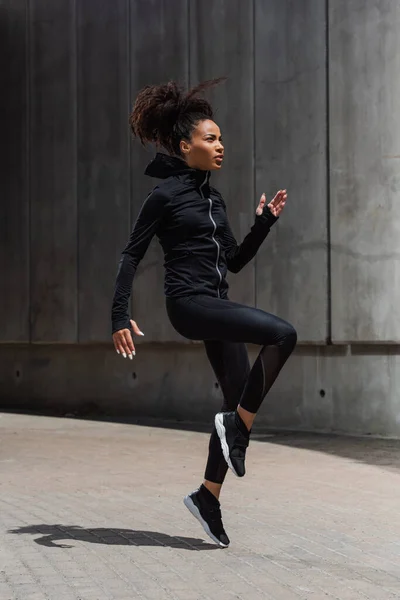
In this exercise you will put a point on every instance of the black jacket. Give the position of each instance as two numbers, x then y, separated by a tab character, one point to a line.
189	218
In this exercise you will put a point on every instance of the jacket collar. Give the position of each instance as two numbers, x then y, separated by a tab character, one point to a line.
164	165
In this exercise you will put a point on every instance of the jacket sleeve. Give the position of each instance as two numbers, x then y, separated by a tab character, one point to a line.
238	255
144	229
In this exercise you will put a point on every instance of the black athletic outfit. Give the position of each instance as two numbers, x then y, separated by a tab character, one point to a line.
189	218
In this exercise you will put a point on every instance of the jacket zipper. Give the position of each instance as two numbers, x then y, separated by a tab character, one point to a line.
213	236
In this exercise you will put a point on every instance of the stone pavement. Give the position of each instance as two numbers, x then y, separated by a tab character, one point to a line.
93	511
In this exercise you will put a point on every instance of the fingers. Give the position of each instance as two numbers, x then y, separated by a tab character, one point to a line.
261	205
281	196
123	343
282	203
135	328
278	203
129	343
117	343
123	340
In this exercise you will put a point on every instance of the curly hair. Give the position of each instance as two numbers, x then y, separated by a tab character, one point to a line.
166	114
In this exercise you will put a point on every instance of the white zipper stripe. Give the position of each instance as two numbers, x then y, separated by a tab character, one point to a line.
213	238
218	246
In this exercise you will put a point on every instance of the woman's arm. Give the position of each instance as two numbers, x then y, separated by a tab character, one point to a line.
143	231
238	255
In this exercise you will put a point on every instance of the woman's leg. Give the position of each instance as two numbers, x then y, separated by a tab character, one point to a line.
234	428
208	318
231	366
264	373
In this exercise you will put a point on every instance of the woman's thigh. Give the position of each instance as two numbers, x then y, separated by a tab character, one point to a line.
209	318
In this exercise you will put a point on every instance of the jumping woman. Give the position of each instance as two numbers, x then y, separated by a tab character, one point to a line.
189	217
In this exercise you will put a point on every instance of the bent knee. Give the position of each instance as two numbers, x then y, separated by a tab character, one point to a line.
288	336
293	336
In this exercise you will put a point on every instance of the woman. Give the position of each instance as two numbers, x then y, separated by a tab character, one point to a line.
189	218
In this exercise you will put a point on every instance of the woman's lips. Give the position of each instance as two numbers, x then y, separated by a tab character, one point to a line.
219	158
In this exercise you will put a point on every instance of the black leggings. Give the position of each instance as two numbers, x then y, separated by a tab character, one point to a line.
225	327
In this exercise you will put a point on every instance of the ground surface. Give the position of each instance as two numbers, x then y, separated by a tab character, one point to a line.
94	511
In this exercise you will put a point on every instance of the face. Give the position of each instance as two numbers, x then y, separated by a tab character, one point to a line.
205	150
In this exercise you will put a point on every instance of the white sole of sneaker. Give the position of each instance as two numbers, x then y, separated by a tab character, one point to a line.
190	505
220	427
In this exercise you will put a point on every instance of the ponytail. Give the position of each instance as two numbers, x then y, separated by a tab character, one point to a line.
165	114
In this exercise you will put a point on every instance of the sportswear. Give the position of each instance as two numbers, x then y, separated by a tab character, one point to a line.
189	217
205	507
234	438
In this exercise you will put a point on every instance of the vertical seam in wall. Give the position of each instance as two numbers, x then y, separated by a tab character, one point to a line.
130	136
75	54
254	139
28	67
188	44
328	185
129	92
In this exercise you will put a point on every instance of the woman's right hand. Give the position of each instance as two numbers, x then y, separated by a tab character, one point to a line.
123	340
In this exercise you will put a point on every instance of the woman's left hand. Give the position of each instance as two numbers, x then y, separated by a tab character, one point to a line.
276	205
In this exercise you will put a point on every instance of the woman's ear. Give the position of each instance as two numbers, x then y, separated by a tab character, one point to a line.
185	147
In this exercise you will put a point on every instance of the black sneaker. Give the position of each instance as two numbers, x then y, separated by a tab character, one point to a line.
206	508
234	439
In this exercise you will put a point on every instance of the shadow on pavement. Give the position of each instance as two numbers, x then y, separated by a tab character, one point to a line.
116	537
384	453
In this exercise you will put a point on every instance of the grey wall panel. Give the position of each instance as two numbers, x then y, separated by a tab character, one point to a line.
159	53
14	203
364	72
103	158
53	171
329	388
221	44
290	108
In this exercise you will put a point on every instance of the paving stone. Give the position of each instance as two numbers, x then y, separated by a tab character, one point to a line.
93	511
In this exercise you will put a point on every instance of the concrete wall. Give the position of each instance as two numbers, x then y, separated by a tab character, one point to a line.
310	106
291	152
364	86
331	388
